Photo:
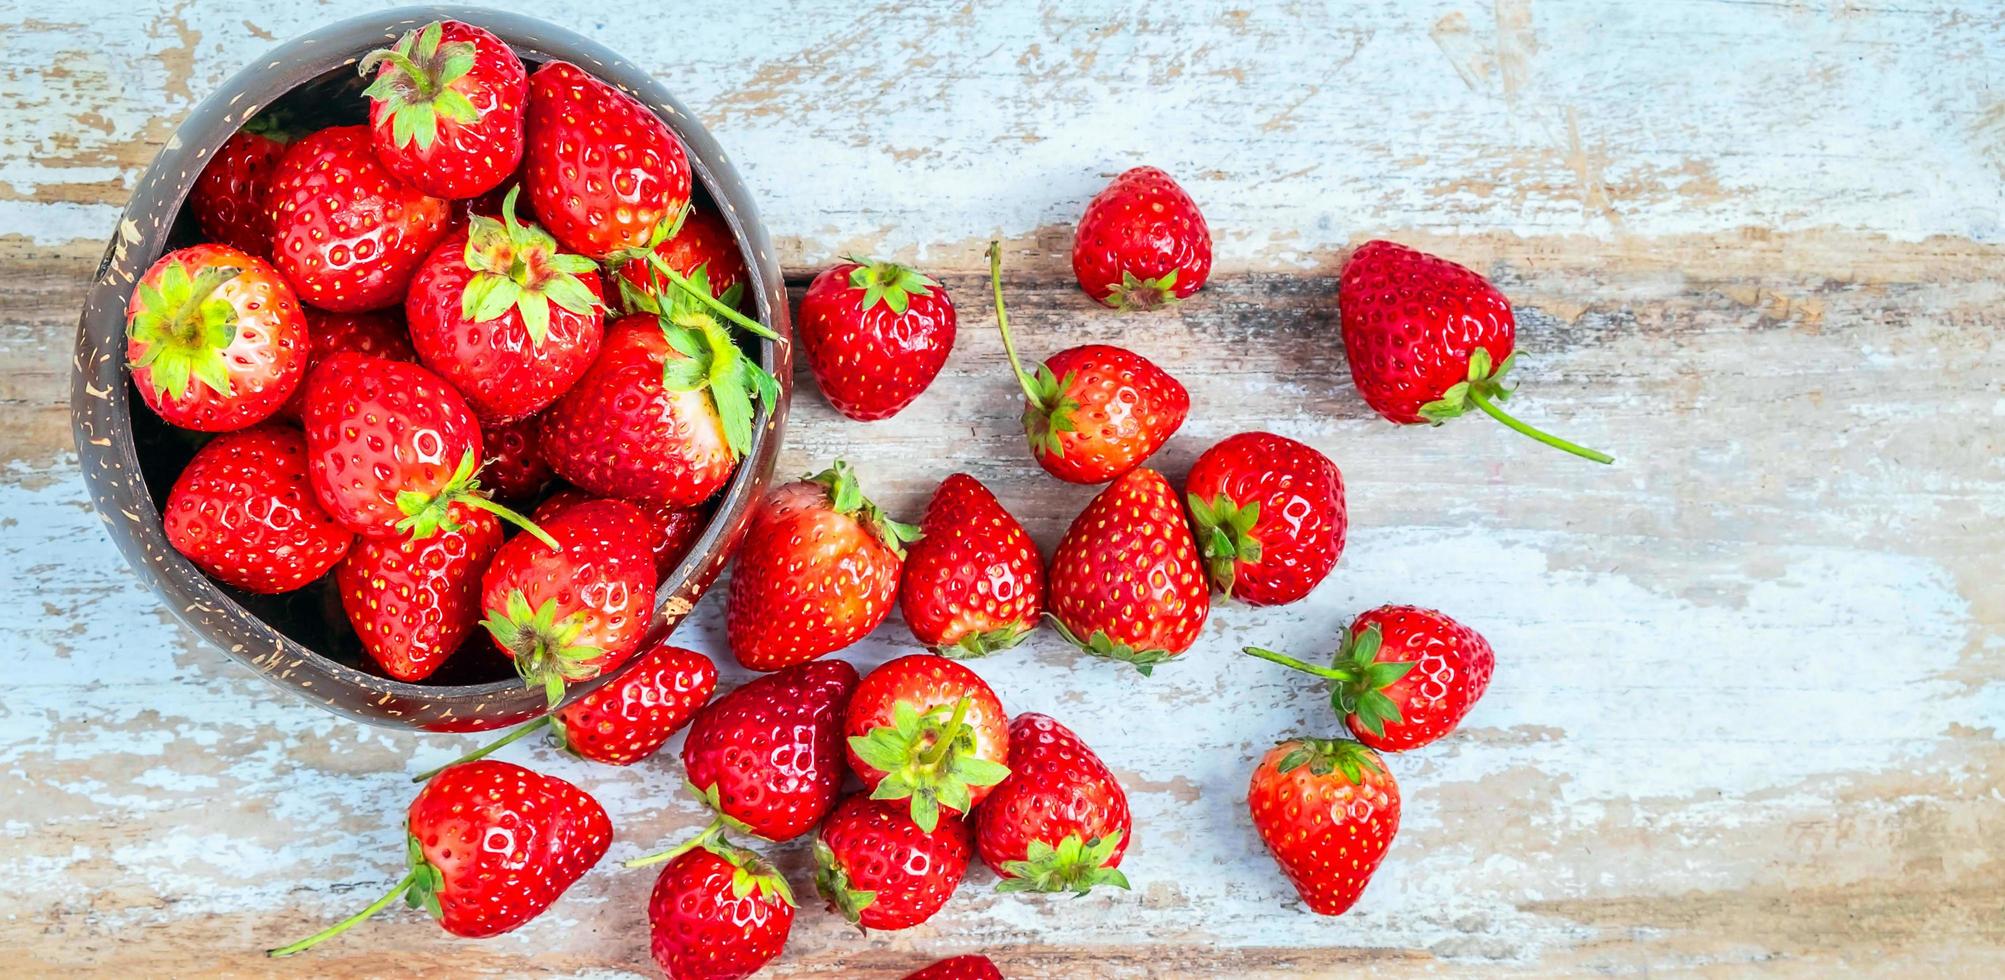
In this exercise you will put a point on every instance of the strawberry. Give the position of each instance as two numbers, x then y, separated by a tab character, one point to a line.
1269	515
880	870
214	339
973	966
701	242
1059	822
505	317
346	233
718	912
817	571
514	471
973	583
229	196
1375	688
413	603
491	845
672	531
1427	338
926	728
1142	243
1327	810
767	757
875	334
1095	412
243	511
573	607
377	333
602	171
446	107
1126	583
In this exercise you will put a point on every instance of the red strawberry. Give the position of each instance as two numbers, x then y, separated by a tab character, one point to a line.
490	846
378	333
1126	583
446	107
1142	243
1095	412
346	233
214	339
1059	822
1428	338
413	603
718	912
243	512
505	317
875	334
817	571
703	244
926	728
1374	686
1327	809
577	606
602	171
229	196
1269	515
882	871
767	757
973	582
672	531
970	967
515	472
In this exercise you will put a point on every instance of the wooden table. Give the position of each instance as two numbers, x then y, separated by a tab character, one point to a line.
1751	680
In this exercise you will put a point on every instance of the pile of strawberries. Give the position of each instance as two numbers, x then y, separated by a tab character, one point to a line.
405	332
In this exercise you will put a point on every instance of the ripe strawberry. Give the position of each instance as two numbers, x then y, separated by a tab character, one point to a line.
701	243
718	912
1142	243
973	966
973	582
1126	583
346	233
491	845
875	334
1095	412
601	169
505	317
880	870
514	471
927	728
672	531
1375	688
1428	338
577	606
214	339
229	196
243	512
413	603
446	107
1269	515
817	571
378	333
1059	822
1327	810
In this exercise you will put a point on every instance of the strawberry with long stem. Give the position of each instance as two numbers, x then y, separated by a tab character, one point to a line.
1402	676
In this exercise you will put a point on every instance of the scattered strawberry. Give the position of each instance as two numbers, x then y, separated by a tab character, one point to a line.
1142	243
926	728
514	471
1059	822
377	333
1327	810
672	531
214	339
1428	338
446	107
718	912
880	870
491	845
973	966
413	603
876	335
1126	583
602	171
243	512
973	583
767	757
1095	412
1402	676
229	196
1269	515
701	242
347	234
817	571
576	606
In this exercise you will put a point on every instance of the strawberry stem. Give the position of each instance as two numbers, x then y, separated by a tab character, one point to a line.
396	892
1002	324
712	834
1490	408
512	517
951	731
703	295
484	751
1290	662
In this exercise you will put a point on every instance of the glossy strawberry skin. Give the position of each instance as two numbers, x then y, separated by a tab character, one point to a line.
872	361
599	168
229	196
413	603
873	846
466	159
265	360
702	930
631	716
705	241
1127	408
1411	322
604	575
970	967
1057	787
1142	227
347	234
1302	521
975	581
927	682
378	333
507	841
1327	832
376	427
619	433
1452	665
808	581
772	748
672	531
243	511
1127	567
514	471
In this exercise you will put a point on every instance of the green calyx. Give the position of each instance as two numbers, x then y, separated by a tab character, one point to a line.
752	873
1324	756
184	328
1144	660
419	888
976	645
1142	294
1076	865
889	283
545	649
1357	677
1225	536
416	92
1047	409
834	885
1486	389
845	496
518	267
928	758
429	514
713	362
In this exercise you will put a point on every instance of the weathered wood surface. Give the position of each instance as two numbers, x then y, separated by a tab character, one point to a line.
1751	680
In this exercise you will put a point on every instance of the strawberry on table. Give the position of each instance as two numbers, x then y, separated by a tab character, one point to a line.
229	196
377	333
973	966
718	912
672	531
514	471
215	339
1269	516
347	234
413	603
446	108
879	870
929	729
1402	676
1060	822
243	512
572	609
767	757
875	334
702	242
1327	810
1126	583
973	583
1142	243
602	171
1427	339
